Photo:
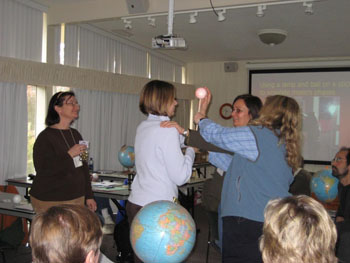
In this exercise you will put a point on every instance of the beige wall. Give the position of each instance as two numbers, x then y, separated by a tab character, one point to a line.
225	86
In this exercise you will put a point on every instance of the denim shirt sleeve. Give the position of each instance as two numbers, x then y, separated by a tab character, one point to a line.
239	140
220	160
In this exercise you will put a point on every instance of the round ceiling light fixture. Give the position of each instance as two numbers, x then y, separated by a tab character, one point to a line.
272	37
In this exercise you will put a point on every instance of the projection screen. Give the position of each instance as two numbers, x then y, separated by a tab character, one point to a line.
323	95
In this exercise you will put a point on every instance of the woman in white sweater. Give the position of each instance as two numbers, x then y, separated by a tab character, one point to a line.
160	164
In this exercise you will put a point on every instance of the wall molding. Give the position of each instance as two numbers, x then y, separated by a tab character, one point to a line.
46	74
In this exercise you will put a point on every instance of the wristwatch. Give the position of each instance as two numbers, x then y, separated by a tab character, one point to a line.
185	133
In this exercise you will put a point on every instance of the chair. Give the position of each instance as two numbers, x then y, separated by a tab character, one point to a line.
213	233
13	230
211	199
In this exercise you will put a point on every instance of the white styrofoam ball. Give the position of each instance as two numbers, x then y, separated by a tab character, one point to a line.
17	199
201	93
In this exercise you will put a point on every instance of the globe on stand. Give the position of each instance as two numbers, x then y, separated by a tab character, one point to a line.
161	232
126	156
324	185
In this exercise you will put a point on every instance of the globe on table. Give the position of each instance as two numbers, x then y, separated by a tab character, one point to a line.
324	185
161	232
126	156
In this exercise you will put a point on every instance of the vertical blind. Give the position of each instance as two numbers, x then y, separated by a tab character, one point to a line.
21	29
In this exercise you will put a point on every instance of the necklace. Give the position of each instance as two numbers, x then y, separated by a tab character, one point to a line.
65	140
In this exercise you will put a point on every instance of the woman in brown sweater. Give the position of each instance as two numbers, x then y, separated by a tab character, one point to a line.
61	175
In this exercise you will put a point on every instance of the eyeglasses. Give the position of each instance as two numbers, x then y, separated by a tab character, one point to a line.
72	103
337	159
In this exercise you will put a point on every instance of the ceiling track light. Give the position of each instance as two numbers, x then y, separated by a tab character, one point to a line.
308	8
193	19
221	16
260	11
308	4
127	24
151	21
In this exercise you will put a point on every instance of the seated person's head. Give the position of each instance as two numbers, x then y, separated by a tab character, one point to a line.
66	234
297	229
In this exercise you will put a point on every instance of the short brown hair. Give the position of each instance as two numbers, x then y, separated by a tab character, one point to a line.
65	233
298	229
155	97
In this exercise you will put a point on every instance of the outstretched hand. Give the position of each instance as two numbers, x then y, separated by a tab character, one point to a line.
171	124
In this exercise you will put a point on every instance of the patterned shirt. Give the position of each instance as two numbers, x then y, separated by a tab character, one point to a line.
239	140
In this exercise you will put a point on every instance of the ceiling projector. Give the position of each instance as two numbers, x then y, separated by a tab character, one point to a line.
168	42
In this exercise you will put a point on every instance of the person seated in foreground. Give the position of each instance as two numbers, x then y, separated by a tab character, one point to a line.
297	229
66	234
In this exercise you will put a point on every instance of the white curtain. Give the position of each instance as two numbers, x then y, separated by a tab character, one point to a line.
108	120
20	31
164	69
133	61
182	114
95	51
21	27
13	131
71	55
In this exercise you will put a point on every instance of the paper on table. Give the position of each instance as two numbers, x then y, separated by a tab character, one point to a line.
111	188
105	184
108	186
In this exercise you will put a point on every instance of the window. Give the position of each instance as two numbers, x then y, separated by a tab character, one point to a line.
31	100
36	99
37	109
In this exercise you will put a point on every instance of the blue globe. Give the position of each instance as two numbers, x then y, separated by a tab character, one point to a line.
161	232
325	186
126	156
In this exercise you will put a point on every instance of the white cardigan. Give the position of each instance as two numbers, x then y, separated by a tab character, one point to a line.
160	164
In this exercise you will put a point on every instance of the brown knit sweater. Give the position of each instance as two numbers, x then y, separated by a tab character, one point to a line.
56	178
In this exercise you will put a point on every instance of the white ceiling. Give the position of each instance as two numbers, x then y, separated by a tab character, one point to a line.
326	33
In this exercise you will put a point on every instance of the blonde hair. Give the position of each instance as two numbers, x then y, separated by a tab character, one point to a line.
156	96
282	115
298	229
65	233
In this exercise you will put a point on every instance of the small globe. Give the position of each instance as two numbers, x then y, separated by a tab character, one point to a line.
126	156
324	185
161	232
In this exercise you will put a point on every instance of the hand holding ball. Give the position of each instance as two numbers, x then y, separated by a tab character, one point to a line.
201	93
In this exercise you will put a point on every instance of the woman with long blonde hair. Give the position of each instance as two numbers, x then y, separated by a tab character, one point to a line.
266	152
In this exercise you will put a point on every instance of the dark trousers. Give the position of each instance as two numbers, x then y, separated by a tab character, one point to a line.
343	242
131	211
240	240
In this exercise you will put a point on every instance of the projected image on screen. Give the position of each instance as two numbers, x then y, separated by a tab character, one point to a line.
324	97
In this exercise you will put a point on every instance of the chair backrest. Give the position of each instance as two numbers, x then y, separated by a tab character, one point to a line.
7	221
